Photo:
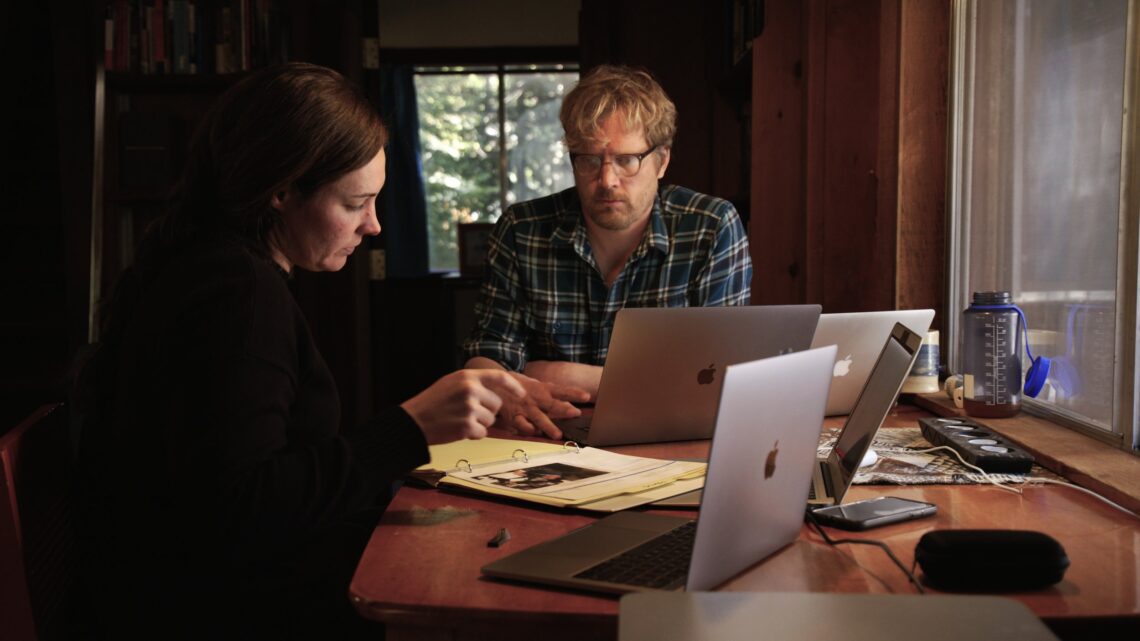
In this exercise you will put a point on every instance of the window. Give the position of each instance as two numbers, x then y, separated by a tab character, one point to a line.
1043	192
490	137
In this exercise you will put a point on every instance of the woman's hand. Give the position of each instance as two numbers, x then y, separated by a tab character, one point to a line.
543	403
463	404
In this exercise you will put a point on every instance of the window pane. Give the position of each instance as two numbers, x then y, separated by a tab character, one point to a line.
1041	184
466	179
459	135
537	164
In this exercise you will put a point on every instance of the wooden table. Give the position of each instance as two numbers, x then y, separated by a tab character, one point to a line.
420	571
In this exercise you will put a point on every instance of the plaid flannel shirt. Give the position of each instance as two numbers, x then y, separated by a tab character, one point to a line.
543	297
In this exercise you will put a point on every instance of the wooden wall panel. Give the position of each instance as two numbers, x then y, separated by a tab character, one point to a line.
884	295
779	137
836	219
854	233
924	46
816	72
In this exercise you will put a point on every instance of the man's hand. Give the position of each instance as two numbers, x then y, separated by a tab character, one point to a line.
579	375
543	403
463	404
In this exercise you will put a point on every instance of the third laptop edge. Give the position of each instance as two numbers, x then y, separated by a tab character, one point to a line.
833	475
858	337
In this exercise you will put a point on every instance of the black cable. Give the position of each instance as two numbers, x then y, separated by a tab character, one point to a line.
880	544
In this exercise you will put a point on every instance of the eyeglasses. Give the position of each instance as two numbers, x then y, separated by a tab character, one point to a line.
625	165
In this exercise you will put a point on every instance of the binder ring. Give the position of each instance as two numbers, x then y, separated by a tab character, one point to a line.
577	450
463	462
525	458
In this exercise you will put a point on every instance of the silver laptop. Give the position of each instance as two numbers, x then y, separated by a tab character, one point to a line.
767	429
833	475
660	381
858	338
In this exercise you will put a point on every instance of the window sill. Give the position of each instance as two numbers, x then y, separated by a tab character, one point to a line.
1097	466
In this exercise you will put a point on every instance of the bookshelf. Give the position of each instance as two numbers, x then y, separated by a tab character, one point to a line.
162	63
188	37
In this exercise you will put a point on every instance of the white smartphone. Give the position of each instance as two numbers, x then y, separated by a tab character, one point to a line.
869	513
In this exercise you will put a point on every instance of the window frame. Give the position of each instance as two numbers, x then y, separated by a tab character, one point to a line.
1125	432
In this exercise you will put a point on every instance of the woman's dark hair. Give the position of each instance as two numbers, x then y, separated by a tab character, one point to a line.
294	126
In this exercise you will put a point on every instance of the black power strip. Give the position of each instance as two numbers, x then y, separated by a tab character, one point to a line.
977	443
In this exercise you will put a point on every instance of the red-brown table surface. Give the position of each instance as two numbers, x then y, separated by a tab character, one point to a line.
420	572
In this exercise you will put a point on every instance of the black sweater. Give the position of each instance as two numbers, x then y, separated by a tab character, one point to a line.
216	476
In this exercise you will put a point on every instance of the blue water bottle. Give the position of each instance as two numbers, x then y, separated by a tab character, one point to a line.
991	366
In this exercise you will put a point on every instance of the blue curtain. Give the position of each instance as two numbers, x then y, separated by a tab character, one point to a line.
403	204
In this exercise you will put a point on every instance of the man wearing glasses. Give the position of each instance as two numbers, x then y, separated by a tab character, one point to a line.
560	267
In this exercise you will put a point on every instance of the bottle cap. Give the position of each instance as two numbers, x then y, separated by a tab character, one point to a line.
1035	377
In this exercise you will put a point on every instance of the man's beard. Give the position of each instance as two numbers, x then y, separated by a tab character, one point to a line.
614	216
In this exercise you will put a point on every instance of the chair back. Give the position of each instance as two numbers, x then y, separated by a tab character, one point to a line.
38	541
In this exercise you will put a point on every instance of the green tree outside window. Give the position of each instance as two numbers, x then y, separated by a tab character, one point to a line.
467	118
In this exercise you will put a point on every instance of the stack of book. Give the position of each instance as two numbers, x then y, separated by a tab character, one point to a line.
193	36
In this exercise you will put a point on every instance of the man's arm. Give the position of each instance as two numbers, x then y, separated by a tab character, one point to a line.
499	333
580	375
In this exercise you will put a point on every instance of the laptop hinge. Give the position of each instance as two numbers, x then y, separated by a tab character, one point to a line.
828	485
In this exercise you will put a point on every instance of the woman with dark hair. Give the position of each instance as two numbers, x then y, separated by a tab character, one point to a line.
220	499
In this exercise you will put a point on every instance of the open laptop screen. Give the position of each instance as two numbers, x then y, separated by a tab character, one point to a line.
876	399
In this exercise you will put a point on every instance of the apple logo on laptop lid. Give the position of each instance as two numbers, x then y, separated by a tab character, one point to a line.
707	375
770	462
842	367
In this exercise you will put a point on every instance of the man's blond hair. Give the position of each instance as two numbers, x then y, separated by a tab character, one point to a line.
610	89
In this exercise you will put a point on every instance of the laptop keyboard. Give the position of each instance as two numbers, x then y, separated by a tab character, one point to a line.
661	563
